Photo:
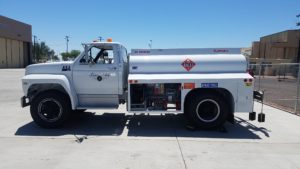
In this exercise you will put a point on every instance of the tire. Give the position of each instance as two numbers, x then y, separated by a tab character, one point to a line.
206	111
79	111
50	109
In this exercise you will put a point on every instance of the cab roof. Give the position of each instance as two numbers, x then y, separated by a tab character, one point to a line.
102	43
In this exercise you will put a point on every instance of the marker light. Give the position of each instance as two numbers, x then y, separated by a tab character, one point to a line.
188	85
109	40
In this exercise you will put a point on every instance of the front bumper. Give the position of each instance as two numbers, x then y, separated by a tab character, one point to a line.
24	101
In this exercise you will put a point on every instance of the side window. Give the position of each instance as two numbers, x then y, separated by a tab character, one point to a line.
109	59
98	56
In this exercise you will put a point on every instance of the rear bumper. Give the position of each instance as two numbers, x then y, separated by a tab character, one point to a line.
24	101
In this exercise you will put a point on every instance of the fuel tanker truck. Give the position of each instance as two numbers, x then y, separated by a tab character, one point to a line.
207	85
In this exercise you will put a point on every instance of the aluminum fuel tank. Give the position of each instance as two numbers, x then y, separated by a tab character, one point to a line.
180	61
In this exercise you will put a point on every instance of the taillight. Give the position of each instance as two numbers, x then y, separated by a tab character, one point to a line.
248	82
132	81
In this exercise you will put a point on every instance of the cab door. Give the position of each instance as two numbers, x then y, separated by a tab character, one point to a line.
96	81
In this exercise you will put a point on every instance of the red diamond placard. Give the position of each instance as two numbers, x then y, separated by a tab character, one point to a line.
188	64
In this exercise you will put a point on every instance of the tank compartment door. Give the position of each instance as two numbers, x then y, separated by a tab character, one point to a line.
155	97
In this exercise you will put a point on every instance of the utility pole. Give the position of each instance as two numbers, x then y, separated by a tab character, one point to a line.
34	49
67	42
100	38
298	77
298	24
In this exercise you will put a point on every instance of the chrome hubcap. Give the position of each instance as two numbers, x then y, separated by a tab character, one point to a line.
208	110
50	110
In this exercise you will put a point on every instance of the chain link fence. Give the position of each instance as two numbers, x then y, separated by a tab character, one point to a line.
280	83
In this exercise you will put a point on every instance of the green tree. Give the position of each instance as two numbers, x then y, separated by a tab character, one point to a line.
42	52
55	58
70	55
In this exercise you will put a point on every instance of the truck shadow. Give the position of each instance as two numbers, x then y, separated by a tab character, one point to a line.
116	124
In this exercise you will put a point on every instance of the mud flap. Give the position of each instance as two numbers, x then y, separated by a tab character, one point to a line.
252	116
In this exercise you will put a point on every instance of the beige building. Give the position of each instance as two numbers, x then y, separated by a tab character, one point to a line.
280	47
15	43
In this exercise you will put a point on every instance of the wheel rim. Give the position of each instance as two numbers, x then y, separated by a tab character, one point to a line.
50	110
208	110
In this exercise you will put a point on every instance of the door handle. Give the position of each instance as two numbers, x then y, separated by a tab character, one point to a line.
112	68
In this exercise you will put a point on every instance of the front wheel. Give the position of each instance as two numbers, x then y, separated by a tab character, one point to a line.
206	111
50	109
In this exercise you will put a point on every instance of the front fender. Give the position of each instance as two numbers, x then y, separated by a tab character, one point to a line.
62	80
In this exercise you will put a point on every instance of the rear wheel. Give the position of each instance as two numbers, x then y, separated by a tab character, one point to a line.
78	111
206	111
50	109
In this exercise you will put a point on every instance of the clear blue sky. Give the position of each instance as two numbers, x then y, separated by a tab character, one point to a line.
169	23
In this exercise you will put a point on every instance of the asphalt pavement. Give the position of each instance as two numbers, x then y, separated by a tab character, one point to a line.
116	139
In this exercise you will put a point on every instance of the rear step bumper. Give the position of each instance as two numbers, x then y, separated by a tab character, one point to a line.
258	96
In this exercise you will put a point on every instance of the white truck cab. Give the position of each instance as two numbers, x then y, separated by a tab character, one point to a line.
208	85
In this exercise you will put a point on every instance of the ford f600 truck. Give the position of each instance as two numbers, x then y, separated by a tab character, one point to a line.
207	85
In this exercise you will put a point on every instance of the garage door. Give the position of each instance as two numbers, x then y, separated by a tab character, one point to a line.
2	53
21	54
15	54
8	54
